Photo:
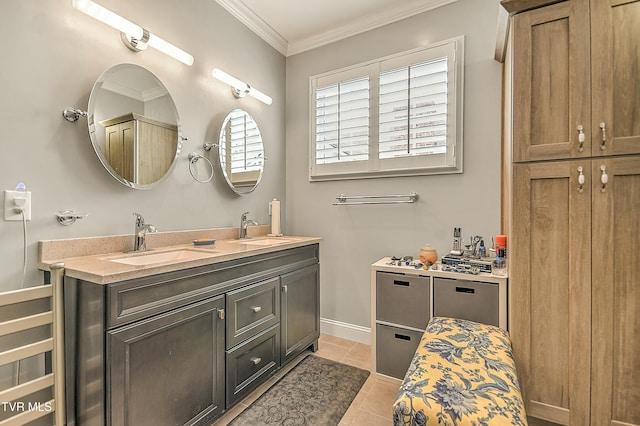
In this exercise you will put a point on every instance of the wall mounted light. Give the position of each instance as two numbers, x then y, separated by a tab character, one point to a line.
134	36
240	88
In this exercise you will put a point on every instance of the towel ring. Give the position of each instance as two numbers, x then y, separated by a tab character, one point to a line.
193	159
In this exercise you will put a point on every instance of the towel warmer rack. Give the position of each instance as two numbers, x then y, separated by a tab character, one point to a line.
29	411
378	199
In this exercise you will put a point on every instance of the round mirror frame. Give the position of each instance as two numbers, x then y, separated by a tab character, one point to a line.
128	102
246	180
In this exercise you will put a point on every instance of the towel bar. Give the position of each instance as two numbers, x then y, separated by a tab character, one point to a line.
381	199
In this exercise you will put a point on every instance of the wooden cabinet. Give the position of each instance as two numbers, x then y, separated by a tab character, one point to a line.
138	148
576	91
573	212
575	265
615	381
549	257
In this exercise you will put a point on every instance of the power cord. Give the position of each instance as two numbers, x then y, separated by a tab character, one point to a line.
24	274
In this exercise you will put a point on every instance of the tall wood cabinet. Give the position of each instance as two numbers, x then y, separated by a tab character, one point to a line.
140	149
573	208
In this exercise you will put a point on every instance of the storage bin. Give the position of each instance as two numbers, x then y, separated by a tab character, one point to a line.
466	299
403	299
395	348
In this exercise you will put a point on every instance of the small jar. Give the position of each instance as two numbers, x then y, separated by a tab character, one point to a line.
428	255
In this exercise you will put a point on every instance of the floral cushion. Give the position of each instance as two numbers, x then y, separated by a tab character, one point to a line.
463	373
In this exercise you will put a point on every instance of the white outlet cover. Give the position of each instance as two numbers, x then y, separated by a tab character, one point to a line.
10	213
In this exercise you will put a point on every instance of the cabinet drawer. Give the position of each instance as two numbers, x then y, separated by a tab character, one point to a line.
395	348
471	300
403	299
251	310
251	361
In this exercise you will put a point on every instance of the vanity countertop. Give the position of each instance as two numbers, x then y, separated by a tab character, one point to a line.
106	268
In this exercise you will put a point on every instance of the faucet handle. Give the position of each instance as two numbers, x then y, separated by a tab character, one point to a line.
139	219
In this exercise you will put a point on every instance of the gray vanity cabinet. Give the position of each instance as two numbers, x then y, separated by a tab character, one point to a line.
168	369
180	348
300	321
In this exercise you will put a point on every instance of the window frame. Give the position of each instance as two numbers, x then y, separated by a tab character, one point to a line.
451	162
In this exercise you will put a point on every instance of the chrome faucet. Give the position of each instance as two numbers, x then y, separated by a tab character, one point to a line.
244	223
139	237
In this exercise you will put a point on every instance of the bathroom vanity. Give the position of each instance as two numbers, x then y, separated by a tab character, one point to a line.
183	345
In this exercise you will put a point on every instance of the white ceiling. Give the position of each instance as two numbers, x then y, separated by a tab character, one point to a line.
293	26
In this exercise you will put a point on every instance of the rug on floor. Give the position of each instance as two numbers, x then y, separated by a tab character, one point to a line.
316	392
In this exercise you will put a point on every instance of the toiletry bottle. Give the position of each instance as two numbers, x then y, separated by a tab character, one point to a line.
499	265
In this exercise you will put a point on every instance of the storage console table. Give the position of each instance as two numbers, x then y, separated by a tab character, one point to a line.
404	299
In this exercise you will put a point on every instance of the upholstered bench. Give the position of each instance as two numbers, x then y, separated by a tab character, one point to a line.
462	373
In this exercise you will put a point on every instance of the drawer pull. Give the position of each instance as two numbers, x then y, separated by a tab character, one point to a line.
256	309
402	283
465	290
403	337
256	360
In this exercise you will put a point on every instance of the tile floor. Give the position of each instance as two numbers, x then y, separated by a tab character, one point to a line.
372	405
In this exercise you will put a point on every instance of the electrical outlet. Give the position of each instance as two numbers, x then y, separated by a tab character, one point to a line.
13	202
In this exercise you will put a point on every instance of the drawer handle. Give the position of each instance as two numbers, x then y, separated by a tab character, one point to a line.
465	290
256	309
402	283
403	337
256	360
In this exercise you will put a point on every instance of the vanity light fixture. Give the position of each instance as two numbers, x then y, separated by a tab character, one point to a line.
134	36
240	88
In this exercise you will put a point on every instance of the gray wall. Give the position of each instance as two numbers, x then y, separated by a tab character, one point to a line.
355	237
51	57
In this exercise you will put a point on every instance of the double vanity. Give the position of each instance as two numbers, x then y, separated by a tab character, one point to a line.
179	334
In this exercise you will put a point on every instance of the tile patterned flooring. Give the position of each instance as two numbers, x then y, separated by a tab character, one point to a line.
372	405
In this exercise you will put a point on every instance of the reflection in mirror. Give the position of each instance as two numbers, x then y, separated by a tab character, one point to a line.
134	126
241	152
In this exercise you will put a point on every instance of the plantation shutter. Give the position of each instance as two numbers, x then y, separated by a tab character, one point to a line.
342	122
413	110
245	143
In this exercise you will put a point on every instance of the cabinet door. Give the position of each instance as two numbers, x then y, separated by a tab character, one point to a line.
168	369
615	27
549	280
551	82
156	151
119	148
300	322
616	293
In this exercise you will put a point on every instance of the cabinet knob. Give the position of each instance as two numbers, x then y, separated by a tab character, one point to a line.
256	309
581	138
581	180
604	178
603	130
256	360
221	314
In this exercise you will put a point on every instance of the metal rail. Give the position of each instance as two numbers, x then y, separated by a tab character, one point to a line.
381	199
28	411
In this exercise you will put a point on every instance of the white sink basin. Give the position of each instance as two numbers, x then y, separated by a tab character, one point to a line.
264	241
166	256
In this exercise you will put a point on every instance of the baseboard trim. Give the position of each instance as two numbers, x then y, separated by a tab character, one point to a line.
345	330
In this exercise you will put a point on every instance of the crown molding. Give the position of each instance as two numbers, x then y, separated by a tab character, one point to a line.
362	25
245	15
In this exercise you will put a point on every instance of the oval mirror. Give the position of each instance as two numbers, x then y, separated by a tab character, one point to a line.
134	126
241	152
